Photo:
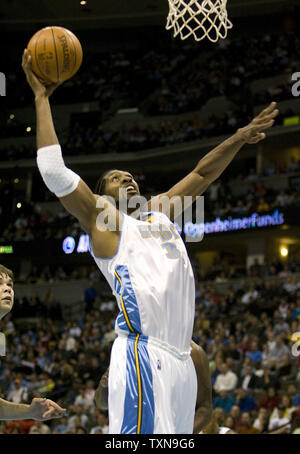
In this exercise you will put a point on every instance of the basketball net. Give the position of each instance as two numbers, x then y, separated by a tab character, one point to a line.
201	19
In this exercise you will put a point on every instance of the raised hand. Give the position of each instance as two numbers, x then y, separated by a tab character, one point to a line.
39	88
44	409
253	132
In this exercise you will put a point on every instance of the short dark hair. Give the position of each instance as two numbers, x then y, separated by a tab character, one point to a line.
4	270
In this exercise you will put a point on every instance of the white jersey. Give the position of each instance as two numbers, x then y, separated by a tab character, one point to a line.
152	279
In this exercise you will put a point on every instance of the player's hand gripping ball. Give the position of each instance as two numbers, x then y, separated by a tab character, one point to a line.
56	54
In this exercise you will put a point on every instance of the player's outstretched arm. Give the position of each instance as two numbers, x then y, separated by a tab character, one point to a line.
213	164
72	191
39	409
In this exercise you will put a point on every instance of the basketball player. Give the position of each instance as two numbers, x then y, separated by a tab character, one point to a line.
152	380
39	409
204	390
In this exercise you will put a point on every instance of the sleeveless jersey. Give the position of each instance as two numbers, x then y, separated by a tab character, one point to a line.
152	279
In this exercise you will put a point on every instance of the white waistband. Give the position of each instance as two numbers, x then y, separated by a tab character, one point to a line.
160	344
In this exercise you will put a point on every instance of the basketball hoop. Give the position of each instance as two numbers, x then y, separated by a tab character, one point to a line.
201	19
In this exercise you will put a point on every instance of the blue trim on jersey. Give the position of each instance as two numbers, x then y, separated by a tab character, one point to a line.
125	290
132	394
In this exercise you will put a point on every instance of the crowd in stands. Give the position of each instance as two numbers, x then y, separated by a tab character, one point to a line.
246	331
169	82
137	137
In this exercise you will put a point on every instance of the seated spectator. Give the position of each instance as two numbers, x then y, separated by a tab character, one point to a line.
262	206
254	353
62	427
270	401
262	421
78	417
82	399
279	350
250	296
281	199
279	420
218	416
245	401
235	413
223	400
40	428
285	402
266	379
281	326
229	422
19	394
248	381
226	380
102	424
245	426
233	352
293	395
284	368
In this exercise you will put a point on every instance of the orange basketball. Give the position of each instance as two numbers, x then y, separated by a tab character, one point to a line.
56	54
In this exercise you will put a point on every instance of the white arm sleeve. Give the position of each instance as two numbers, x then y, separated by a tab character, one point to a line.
57	177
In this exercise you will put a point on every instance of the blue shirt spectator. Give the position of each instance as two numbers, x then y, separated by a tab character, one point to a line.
245	401
224	401
254	353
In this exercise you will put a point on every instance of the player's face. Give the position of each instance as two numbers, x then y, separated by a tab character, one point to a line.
118	179
6	294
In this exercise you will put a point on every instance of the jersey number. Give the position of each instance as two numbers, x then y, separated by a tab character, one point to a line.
172	251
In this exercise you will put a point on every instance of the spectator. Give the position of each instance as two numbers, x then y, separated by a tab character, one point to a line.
279	420
224	401
270	401
19	393
293	395
82	399
245	401
248	381
262	421
63	427
254	354
246	426
102	424
226	380
279	350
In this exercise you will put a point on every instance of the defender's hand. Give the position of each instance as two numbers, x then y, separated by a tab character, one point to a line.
38	87
253	132
44	409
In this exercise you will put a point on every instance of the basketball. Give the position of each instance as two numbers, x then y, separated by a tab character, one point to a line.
56	54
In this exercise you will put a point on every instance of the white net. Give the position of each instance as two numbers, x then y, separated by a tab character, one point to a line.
200	19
